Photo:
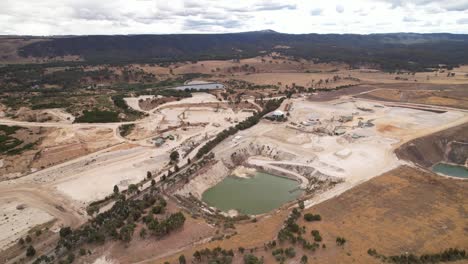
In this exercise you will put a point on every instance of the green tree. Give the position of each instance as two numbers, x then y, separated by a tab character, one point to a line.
301	205
304	259
149	175
251	259
30	251
311	217
116	189
91	210
174	156
153	182
182	259
132	188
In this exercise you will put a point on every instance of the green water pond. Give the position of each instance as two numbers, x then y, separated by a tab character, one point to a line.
451	170
256	195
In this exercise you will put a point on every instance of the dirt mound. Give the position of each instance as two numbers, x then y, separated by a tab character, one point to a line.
450	145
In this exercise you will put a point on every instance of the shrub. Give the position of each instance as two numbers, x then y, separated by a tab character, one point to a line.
340	241
316	235
30	251
311	217
290	252
251	259
182	259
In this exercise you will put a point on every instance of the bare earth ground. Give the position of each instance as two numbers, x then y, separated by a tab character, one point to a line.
404	210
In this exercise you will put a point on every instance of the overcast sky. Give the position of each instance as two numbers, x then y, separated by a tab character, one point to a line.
86	17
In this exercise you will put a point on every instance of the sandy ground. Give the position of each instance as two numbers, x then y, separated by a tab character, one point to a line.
15	222
133	101
73	184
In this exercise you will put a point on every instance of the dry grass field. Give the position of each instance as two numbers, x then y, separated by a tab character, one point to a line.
404	210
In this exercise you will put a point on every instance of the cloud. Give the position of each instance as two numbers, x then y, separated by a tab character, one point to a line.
316	12
462	21
410	19
447	5
211	25
65	17
263	6
275	6
361	12
339	9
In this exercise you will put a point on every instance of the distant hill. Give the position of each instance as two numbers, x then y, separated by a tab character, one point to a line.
390	51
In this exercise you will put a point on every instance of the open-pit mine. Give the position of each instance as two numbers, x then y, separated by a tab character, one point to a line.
233	166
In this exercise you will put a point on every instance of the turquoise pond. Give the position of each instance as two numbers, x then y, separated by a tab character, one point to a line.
451	170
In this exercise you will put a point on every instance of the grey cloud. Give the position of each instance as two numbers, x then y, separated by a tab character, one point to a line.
462	21
275	6
448	5
410	19
209	25
316	12
264	6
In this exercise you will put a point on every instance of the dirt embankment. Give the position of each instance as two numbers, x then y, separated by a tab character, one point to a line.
450	145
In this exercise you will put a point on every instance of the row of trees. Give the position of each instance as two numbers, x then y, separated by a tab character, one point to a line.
249	122
448	255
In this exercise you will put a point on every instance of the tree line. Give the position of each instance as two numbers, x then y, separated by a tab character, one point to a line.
269	106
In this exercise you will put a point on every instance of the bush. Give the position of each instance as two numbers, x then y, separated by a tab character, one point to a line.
290	252
174	156
126	129
340	241
30	251
316	235
182	259
311	217
251	259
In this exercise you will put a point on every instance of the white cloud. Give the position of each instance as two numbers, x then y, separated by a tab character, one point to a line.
64	17
316	12
339	9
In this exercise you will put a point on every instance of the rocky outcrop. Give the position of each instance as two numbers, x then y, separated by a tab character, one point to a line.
208	178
